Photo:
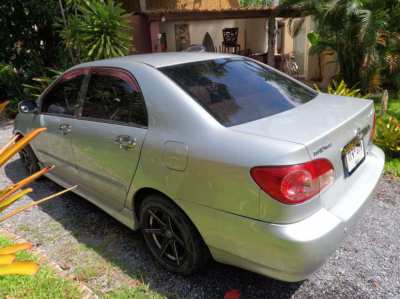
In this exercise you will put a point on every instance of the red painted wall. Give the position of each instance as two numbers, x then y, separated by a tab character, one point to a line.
141	34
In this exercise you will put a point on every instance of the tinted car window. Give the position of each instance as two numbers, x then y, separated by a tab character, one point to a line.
63	98
236	90
111	98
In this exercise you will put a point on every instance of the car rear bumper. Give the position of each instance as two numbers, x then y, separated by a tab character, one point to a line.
291	252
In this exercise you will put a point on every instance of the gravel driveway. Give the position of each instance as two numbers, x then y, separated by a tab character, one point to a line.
90	245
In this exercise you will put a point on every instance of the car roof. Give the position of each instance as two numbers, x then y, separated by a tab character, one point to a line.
159	60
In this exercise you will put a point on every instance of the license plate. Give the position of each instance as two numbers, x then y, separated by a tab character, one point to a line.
353	155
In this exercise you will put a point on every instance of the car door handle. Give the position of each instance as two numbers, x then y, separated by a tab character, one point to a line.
125	142
65	128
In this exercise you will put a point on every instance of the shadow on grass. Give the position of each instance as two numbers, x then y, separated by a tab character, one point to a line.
125	249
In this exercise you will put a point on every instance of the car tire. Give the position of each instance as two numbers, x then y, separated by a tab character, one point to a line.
29	159
171	237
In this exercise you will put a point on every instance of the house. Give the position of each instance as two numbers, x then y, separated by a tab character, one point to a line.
175	25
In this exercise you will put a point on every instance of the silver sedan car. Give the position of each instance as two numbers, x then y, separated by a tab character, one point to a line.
211	156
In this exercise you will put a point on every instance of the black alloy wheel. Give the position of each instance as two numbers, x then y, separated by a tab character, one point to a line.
29	160
171	237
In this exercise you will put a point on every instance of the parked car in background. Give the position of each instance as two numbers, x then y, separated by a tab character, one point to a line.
210	155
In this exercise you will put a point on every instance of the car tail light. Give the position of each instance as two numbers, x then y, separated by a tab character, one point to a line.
294	184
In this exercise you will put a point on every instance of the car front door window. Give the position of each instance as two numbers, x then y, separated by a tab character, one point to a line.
114	99
63	98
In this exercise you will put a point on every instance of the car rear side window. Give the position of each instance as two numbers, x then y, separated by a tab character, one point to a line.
111	98
63	97
237	90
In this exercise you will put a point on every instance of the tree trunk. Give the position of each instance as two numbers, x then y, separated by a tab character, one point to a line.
271	40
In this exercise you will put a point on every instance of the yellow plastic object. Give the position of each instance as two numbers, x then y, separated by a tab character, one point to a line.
4	204
14	248
35	203
13	188
7	259
20	144
9	143
21	268
3	191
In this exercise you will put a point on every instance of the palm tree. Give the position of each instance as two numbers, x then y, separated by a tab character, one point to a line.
354	29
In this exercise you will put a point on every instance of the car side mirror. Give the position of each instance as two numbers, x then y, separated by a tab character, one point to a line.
27	106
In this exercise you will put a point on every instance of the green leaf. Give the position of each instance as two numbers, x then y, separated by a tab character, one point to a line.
313	38
100	30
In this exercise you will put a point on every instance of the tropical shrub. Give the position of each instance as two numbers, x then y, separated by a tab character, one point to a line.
40	37
387	135
363	33
27	38
14	86
341	89
11	87
96	29
8	75
41	83
28	44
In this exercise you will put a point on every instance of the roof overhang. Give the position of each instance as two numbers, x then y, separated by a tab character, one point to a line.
238	13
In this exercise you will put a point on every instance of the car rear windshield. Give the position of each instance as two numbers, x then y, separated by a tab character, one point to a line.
237	90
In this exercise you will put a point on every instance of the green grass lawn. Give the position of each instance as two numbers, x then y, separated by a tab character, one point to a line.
392	165
45	284
393	107
139	292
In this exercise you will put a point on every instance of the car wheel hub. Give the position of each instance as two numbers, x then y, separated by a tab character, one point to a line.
166	237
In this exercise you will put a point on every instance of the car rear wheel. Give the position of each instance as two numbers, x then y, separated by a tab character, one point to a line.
171	237
28	158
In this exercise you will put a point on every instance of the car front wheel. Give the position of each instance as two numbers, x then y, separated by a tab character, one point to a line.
171	237
29	160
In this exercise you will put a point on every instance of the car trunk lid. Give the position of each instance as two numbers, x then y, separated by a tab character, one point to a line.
324	126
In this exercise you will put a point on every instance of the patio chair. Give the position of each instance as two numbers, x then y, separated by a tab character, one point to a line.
230	36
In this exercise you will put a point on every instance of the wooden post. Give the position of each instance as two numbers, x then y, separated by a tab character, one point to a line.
384	102
271	40
154	36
